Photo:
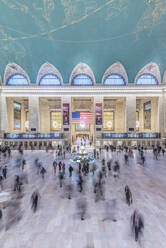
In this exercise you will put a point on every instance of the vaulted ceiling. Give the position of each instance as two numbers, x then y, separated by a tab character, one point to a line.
96	32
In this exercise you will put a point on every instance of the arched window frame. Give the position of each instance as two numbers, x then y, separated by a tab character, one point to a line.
14	69
82	74
82	69
115	74
51	74
149	69
48	69
15	74
115	69
147	74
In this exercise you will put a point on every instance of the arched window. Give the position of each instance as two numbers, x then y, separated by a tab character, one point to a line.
50	80
17	80
147	79
114	80
82	80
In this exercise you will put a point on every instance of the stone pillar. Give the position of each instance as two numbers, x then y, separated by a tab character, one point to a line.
164	113
130	112
98	134
3	114
67	133
34	113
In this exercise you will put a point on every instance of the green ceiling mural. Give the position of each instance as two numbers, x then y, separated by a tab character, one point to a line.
96	32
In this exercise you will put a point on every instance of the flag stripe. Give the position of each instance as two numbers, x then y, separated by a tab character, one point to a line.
82	117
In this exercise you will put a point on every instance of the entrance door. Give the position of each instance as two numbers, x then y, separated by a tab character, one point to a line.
82	127
82	139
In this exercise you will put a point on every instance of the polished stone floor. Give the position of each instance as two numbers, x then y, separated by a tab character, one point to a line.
56	223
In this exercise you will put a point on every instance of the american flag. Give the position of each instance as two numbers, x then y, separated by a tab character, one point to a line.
82	118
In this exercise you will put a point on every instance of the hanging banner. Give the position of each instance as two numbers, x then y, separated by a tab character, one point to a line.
66	114
98	113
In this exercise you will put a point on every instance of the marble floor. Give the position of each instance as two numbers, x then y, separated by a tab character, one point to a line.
56	223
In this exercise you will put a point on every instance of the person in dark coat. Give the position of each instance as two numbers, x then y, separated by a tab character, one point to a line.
70	170
34	200
1	214
137	224
61	177
17	184
128	195
42	172
4	172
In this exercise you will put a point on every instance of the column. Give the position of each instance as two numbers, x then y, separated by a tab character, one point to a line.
158	114
164	113
130	113
3	114
66	129
98	132
33	114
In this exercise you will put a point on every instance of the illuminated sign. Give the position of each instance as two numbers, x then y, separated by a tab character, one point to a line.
131	135
33	136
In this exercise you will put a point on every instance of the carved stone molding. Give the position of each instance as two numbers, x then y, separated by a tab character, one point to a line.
48	68
13	68
151	68
82	68
116	68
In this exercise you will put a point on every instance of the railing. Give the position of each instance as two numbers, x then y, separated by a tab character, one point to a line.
131	135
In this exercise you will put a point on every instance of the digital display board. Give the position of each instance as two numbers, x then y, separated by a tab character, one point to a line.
33	136
131	135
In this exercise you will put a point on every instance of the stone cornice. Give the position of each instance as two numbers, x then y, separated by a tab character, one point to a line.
81	90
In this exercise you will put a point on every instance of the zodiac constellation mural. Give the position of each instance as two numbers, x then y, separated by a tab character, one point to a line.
46	23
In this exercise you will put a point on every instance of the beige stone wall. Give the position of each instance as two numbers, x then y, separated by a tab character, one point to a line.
10	115
34	112
164	112
161	114
154	115
120	117
130	112
118	106
3	114
44	116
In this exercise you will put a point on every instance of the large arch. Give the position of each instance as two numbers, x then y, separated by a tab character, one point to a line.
49	75
82	72
148	75
14	73
116	74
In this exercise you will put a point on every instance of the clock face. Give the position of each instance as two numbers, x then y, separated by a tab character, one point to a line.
55	124
109	124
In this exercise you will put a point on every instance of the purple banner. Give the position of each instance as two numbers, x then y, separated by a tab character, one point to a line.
66	114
